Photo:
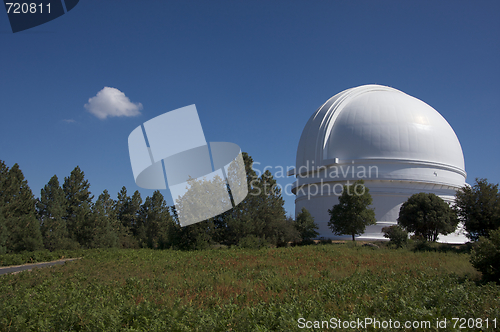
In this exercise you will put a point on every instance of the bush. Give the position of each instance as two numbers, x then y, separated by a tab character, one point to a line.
396	235
252	242
485	256
305	225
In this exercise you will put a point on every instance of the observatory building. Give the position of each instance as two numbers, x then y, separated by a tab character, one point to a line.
396	143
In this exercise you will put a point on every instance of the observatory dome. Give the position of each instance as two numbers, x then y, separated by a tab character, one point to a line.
409	146
374	122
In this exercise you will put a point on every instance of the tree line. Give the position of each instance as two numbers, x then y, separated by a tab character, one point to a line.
65	216
425	215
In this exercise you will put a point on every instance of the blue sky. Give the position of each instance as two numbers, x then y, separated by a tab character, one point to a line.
256	71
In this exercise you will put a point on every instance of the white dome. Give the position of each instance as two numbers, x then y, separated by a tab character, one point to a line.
374	122
396	143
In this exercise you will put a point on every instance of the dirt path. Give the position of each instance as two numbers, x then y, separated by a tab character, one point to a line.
19	268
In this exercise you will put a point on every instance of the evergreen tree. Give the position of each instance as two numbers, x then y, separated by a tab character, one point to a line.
155	220
18	207
192	237
50	212
427	215
78	206
108	205
132	215
4	231
305	225
4	171
121	205
4	234
101	225
261	214
352	214
126	210
270	216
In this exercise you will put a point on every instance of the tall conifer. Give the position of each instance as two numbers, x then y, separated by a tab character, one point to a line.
78	205
154	223
101	226
51	210
18	208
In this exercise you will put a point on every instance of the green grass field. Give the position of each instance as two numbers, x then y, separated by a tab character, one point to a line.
246	290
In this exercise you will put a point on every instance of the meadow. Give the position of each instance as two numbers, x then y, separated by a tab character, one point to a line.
247	290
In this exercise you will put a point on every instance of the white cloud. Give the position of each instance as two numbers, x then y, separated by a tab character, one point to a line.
69	120
112	102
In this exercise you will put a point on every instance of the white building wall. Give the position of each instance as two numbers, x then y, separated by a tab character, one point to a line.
387	201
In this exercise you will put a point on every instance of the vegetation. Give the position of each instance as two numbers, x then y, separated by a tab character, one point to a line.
397	236
243	286
51	210
3	234
17	204
67	218
486	256
243	290
352	214
427	215
478	207
305	225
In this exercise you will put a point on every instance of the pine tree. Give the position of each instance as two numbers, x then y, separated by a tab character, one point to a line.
132	215
270	215
18	208
4	234
51	210
78	206
4	171
4	231
261	214
108	205
121	205
126	210
101	226
155	219
239	221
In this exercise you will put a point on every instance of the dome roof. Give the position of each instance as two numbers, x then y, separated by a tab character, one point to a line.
378	123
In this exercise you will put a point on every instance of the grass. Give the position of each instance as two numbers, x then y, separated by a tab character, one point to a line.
243	290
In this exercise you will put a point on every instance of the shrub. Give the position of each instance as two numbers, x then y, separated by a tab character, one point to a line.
485	256
252	242
305	225
397	235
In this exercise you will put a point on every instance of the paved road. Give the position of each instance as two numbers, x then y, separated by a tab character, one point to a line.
19	268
